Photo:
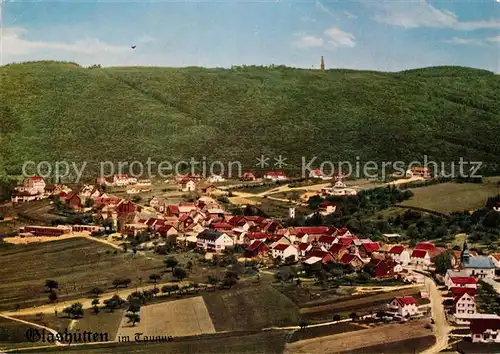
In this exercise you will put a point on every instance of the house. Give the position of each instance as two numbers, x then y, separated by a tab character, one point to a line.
384	268
172	210
326	241
420	258
256	248
317	254
463	306
418	172
208	189
353	260
23	196
284	251
166	230
485	330
248	176
405	306
317	173
158	204
35	185
400	255
187	185
213	241
73	201
366	249
450	273
337	251
125	207
495	257
462	282
454	292
303	248
327	208
276	176
215	179
481	267
120	180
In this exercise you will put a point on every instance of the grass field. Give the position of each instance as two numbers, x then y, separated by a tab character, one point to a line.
360	340
250	308
407	346
359	305
314	332
269	342
449	197
13	334
77	264
186	317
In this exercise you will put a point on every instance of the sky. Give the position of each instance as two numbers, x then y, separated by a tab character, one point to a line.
366	34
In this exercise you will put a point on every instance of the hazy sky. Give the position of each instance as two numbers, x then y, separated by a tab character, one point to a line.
369	34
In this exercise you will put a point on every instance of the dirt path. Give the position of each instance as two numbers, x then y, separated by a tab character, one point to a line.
29	240
441	327
85	301
361	339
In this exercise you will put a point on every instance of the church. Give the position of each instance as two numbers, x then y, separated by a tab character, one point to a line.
480	267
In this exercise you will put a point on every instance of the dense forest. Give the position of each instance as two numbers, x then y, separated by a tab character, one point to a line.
60	111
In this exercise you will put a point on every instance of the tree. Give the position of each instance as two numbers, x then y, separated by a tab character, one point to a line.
74	311
353	315
97	291
52	296
212	280
121	282
155	277
133	318
171	262
179	273
134	305
166	289
95	305
336	317
51	284
443	263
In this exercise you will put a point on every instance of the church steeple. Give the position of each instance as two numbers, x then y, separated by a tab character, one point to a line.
465	254
322	68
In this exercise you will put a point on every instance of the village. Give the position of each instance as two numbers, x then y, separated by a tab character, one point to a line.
443	301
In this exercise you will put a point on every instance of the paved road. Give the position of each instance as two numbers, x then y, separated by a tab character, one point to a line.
441	326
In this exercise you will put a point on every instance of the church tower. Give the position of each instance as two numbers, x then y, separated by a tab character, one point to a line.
465	254
322	68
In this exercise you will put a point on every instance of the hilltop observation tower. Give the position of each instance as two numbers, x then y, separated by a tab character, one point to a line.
322	67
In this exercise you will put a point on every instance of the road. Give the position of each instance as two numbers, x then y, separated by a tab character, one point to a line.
441	326
494	284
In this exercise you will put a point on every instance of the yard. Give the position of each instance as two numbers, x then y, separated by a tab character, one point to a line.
77	264
186	317
407	346
250	308
449	197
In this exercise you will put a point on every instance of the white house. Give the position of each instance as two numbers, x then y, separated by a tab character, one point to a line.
187	186
400	255
276	176
403	306
213	241
420	258
480	267
464	306
215	179
317	173
450	273
35	185
485	329
284	251
120	180
462	282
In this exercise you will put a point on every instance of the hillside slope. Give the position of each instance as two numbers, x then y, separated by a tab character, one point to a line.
60	111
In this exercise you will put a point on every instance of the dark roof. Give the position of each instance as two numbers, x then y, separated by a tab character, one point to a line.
480	325
255	245
210	235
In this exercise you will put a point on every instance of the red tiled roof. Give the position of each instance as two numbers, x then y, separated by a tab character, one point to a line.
346	241
326	239
275	173
371	246
419	253
310	230
348	258
315	252
342	231
150	221
325	204
336	248
428	246
303	246
257	235
35	178
463	280
496	256
255	245
480	325
457	291
174	209
397	249
222	225
406	300
237	220
281	247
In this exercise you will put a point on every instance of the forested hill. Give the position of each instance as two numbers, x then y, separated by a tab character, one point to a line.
61	111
